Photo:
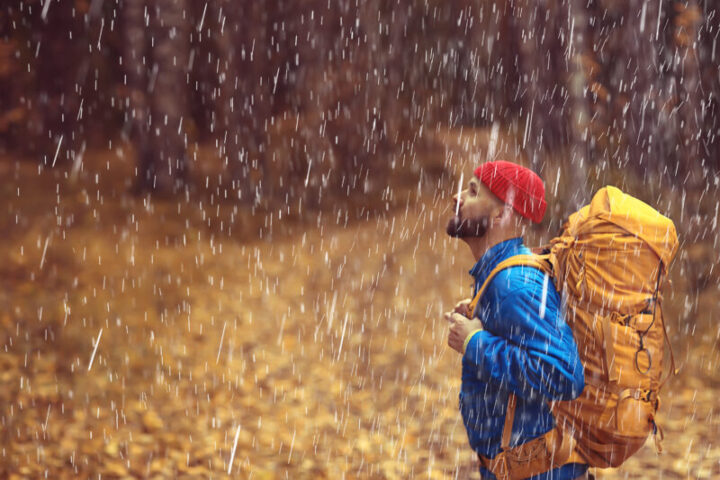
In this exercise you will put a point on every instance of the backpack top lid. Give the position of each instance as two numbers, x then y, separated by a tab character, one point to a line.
632	215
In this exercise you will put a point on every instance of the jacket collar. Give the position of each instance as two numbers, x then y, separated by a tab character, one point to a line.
493	256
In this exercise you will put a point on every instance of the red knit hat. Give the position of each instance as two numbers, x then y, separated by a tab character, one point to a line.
515	185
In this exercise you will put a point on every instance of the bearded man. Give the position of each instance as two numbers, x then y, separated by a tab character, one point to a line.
516	347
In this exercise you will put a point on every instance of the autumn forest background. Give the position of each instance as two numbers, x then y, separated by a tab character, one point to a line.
222	246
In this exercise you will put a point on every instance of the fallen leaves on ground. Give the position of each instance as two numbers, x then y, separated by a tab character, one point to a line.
315	354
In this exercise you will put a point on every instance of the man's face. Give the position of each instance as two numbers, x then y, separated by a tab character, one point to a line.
477	205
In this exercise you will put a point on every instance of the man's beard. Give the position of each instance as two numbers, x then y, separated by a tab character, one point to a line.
467	227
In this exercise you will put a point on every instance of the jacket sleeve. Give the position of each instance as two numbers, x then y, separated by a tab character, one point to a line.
531	351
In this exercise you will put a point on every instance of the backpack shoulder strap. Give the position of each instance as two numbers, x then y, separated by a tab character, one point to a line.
541	262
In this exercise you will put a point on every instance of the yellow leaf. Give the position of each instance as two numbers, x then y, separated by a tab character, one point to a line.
112	449
151	421
115	468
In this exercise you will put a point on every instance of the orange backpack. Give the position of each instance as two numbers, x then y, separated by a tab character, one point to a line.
609	263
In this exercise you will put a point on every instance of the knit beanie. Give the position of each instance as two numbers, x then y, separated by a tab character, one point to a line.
515	185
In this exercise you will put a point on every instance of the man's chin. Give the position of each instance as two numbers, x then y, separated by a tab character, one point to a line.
454	227
466	228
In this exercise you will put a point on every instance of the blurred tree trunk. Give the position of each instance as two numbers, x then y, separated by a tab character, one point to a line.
135	64
529	23
234	145
371	112
709	55
255	101
397	51
377	47
575	38
553	80
639	90
59	52
687	22
467	55
486	62
14	113
506	78
165	169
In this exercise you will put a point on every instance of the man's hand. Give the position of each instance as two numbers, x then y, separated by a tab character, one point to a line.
460	328
463	308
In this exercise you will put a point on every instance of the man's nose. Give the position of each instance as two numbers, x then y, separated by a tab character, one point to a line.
457	199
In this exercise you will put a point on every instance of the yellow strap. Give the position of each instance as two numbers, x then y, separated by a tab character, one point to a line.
542	454
609	350
658	436
643	394
673	370
575	457
538	261
509	418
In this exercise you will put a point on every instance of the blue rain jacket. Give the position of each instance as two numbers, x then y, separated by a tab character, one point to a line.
525	348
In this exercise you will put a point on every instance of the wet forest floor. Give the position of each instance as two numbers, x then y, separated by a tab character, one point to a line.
139	339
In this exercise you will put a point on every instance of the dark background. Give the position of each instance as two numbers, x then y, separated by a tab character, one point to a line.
629	84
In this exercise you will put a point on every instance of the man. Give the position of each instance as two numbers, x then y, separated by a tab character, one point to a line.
516	342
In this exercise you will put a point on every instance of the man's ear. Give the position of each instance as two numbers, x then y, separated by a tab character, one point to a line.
502	214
